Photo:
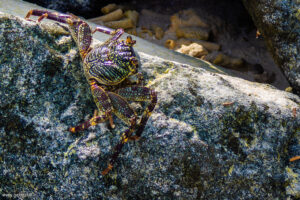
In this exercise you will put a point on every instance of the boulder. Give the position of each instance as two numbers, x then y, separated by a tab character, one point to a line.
211	136
279	24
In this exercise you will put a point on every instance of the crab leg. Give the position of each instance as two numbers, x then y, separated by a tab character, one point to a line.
124	112
134	93
146	114
116	34
103	103
80	30
92	122
102	100
104	29
118	148
139	93
48	14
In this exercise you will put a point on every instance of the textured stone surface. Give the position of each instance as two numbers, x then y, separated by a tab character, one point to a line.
196	144
279	23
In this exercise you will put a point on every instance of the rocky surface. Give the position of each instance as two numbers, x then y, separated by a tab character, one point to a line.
279	23
211	136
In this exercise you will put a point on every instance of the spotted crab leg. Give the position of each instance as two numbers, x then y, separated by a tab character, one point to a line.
107	30
96	119
134	93
118	148
104	105
126	113
80	30
48	14
140	93
115	33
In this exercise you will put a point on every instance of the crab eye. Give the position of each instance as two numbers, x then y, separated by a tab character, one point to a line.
129	41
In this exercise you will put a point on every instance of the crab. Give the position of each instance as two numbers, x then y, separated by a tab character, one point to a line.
111	70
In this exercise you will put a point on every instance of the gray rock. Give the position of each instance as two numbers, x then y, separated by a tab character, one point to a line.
279	23
196	144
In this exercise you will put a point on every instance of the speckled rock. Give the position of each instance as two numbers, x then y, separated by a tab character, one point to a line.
211	136
279	23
